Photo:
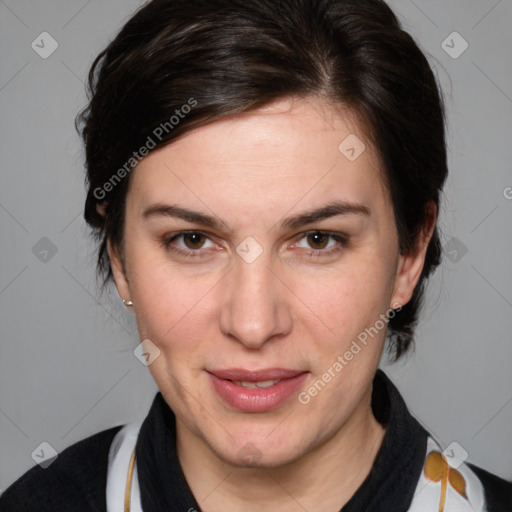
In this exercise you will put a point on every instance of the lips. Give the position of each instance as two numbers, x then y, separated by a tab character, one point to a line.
256	375
258	390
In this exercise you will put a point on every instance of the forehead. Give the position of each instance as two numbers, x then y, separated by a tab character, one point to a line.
288	128
291	150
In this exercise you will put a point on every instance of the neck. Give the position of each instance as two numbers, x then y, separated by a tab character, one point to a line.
323	480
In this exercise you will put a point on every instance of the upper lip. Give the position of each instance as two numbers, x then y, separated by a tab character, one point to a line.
239	374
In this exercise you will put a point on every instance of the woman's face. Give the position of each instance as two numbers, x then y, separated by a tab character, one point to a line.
262	259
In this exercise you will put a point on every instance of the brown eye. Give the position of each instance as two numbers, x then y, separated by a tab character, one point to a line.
318	240
194	240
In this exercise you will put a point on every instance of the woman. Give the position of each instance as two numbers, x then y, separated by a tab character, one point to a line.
264	180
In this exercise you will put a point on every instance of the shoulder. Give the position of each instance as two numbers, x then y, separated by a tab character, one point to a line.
498	492
76	480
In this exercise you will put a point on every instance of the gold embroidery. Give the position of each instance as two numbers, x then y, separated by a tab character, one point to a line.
437	469
127	492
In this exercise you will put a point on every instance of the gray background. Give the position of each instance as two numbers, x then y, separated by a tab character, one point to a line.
67	369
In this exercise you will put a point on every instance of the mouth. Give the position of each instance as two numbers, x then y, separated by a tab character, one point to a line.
256	391
261	384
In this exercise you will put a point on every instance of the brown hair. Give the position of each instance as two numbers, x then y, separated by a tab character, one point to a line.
231	56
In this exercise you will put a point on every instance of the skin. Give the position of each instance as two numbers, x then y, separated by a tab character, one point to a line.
299	305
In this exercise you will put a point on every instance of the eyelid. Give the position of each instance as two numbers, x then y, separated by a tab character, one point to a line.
167	242
182	232
335	235
341	238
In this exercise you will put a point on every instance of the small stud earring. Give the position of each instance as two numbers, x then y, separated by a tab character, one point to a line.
128	303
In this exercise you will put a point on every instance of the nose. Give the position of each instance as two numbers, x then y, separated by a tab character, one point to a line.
255	307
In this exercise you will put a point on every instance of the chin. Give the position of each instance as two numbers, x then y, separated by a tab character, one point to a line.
260	453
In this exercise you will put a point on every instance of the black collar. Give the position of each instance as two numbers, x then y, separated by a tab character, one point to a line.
389	486
391	483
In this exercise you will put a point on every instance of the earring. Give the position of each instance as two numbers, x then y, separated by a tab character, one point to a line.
128	303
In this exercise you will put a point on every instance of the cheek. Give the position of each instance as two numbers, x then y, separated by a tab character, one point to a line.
348	299
172	305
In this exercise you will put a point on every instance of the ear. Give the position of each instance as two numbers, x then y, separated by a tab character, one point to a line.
101	209
410	265
118	269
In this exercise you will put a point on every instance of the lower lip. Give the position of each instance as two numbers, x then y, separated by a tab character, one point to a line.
257	399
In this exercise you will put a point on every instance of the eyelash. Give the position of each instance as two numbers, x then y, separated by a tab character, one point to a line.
167	244
342	241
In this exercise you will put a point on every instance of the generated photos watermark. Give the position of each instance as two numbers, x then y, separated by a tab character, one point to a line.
343	360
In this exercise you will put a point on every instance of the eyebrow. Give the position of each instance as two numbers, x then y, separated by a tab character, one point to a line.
293	222
325	212
168	210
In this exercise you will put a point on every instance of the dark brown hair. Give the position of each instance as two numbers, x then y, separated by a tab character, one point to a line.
179	64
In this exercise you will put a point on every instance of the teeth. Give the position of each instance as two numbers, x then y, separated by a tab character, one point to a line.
260	384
